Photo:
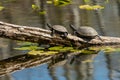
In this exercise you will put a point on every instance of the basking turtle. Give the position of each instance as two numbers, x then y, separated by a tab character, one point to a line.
58	29
85	32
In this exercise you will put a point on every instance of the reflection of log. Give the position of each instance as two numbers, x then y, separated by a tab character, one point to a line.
32	34
26	61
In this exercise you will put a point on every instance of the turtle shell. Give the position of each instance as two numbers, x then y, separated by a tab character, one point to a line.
86	31
59	28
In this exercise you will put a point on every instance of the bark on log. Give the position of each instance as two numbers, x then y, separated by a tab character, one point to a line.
38	35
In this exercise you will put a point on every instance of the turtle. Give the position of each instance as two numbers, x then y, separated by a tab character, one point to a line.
86	32
58	29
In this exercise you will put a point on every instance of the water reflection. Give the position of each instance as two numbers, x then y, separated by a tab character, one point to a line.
101	71
77	71
95	70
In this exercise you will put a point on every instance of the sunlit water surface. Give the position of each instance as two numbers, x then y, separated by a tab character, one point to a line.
100	67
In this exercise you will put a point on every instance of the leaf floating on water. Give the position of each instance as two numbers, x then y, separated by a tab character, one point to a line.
88	51
50	52
41	52
66	49
1	8
42	12
106	49
62	2
86	1
109	49
91	7
87	61
55	48
33	52
49	2
23	44
35	7
29	48
63	49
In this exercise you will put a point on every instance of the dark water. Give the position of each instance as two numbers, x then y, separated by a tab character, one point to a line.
106	22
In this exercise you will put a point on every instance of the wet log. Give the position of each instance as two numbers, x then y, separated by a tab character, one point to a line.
38	35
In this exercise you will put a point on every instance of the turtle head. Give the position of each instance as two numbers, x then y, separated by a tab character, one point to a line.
73	27
49	25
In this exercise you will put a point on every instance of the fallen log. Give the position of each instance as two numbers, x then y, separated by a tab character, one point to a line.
38	35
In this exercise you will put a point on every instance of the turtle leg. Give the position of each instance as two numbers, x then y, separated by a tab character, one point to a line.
75	33
65	34
99	37
53	32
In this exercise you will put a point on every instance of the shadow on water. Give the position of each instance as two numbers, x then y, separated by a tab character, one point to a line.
106	22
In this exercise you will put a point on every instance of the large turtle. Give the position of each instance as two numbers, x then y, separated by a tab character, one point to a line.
58	29
85	32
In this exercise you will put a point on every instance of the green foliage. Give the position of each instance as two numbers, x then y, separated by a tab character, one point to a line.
106	49
88	51
56	48
1	8
42	12
23	44
86	1
35	7
38	10
49	2
62	2
63	49
59	2
29	48
40	52
91	7
34	49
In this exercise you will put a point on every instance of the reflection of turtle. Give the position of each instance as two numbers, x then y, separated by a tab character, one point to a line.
85	32
58	29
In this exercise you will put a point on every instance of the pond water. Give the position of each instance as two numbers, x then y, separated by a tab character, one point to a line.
99	67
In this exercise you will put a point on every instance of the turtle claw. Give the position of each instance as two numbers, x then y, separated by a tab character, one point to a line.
52	33
64	35
99	37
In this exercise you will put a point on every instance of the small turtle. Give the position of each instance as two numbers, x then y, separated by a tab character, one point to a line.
85	32
61	30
